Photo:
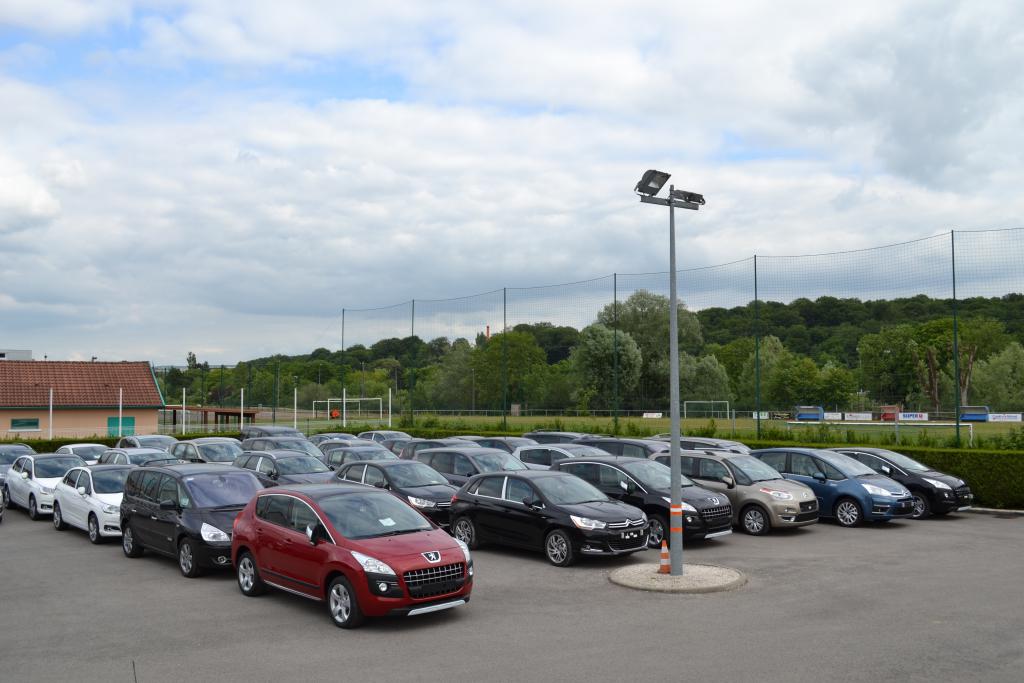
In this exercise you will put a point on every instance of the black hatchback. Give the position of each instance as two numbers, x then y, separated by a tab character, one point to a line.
546	510
421	486
184	511
935	493
274	468
646	484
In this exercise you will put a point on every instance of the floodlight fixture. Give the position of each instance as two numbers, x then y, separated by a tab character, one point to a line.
686	196
652	182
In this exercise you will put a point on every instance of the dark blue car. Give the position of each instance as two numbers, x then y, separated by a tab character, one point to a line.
847	491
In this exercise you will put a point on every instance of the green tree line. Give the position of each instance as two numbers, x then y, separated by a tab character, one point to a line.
839	353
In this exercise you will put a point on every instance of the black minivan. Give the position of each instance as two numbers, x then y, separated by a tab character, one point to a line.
185	511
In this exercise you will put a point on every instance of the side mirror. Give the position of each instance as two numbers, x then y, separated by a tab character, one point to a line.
379	484
273	475
315	533
627	485
818	476
24	475
81	490
168	505
533	503
729	483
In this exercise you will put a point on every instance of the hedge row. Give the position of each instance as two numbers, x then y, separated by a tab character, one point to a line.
996	477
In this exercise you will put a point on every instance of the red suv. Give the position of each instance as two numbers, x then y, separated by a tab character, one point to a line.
363	551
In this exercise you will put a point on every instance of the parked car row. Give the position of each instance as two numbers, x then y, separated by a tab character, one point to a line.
350	523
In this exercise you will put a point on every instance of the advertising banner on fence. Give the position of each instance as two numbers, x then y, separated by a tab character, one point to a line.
857	417
654	416
1004	417
913	417
833	416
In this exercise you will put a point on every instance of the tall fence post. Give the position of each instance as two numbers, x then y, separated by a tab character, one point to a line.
615	354
412	368
277	391
757	353
956	338
504	357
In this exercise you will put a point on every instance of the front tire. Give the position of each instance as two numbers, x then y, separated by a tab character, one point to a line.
33	509
848	513
755	521
465	530
128	544
94	530
922	507
558	548
249	581
188	563
342	604
58	519
656	531
7	498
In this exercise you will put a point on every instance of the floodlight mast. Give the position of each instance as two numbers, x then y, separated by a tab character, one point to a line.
649	186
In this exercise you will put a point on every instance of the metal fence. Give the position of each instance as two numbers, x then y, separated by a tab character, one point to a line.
929	325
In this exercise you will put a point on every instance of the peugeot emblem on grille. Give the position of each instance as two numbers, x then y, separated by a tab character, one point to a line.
714	501
434	556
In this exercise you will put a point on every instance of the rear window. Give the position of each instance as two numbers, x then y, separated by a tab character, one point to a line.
51	468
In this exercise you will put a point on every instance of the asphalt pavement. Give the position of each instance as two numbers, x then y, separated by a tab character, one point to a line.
935	600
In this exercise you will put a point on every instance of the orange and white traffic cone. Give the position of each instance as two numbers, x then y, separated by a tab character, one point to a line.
665	567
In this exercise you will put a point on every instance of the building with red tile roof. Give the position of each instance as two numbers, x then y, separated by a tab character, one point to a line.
84	398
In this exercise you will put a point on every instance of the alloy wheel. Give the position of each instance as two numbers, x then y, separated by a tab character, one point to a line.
919	506
655	533
753	521
464	531
127	542
847	513
340	603
246	574
56	518
557	548
94	529
33	511
185	559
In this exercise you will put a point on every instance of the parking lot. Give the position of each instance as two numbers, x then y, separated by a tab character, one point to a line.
939	599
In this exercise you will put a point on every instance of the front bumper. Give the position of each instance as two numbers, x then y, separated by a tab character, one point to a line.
110	524
946	500
889	508
386	595
788	514
211	555
707	522
613	542
438	515
44	502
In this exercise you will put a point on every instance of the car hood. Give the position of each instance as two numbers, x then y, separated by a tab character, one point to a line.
311	478
698	497
405	551
603	511
49	483
884	482
799	490
435	492
109	498
222	519
947	479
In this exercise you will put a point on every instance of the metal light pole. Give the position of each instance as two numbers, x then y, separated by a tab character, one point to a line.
650	184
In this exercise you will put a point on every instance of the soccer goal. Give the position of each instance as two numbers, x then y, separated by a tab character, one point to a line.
716	409
362	409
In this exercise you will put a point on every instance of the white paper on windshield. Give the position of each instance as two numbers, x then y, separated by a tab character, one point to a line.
387	521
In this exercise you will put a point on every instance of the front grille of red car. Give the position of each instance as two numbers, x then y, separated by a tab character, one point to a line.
433	581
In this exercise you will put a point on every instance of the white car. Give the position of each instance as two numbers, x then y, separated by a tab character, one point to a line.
89	452
32	478
89	498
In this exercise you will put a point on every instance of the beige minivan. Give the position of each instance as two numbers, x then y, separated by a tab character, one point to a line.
761	499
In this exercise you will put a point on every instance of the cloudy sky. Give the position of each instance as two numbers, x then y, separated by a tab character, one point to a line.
224	177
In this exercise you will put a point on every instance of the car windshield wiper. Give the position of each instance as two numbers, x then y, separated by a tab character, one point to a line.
401	531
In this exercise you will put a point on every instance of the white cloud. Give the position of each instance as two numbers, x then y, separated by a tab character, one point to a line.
64	16
241	222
